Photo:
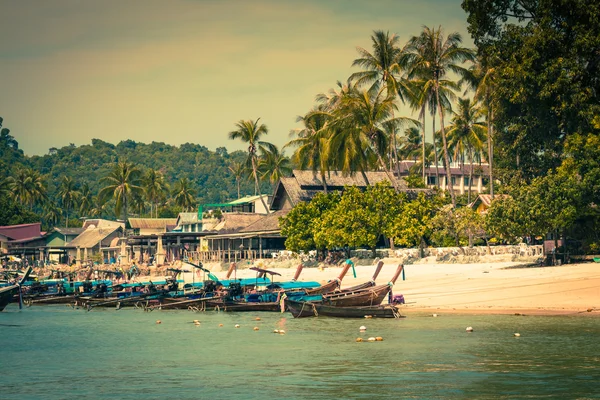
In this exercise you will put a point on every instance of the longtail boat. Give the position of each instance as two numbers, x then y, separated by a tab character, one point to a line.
363	297
302	309
364	285
332	284
8	293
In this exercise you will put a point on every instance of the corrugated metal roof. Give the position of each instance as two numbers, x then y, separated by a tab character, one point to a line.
247	199
233	222
268	223
152	223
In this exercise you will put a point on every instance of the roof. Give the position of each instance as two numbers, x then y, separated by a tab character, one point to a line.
101	223
247	199
235	221
92	236
303	185
69	231
23	231
152	223
486	200
267	223
187	218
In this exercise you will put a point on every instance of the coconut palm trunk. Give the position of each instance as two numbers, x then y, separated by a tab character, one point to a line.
490	144
445	142
256	183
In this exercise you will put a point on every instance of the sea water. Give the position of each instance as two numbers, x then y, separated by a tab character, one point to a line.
57	352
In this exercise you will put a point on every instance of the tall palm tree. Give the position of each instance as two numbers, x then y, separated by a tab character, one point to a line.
238	170
154	186
467	134
437	55
250	132
52	213
183	194
481	78
122	184
69	195
311	143
100	206
382	69
27	187
273	164
85	200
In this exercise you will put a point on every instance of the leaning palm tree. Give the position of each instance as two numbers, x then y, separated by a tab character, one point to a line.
69	195
467	134
122	184
438	55
183	194
154	186
273	164
250	132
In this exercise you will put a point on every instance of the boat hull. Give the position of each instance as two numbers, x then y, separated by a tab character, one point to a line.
6	295
305	309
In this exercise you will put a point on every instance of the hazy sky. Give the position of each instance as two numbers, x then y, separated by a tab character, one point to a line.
182	71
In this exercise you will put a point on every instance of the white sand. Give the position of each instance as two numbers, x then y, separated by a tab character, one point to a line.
481	288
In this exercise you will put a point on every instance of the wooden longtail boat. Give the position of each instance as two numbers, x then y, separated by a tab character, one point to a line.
364	285
300	309
363	297
333	284
8	293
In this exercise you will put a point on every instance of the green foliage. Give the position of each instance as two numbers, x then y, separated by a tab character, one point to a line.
415	181
13	213
412	223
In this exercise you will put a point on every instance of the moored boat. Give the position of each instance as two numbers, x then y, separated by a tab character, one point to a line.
302	309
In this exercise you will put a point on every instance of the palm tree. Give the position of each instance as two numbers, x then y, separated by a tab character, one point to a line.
27	187
250	132
100	206
85	200
481	78
183	194
273	164
467	134
154	186
122	184
311	143
436	55
381	69
69	195
238	170
52	213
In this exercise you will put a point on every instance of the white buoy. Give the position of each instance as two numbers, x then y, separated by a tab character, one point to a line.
256	328
434	315
371	339
237	325
517	334
159	321
362	328
469	329
281	332
276	331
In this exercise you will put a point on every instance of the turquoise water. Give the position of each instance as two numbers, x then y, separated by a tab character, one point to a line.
55	352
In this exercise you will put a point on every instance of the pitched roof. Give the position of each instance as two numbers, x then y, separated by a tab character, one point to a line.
462	169
234	221
23	231
486	200
101	223
92	236
187	218
269	222
247	199
152	223
69	231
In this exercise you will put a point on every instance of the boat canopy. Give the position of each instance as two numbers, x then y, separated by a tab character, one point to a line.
293	285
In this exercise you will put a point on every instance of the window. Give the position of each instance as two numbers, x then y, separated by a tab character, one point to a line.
431	180
453	181
466	180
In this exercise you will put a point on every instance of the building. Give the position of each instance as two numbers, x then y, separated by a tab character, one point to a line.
304	185
57	243
25	240
151	226
484	201
460	174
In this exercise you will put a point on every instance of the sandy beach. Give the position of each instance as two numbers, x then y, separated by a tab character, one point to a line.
496	287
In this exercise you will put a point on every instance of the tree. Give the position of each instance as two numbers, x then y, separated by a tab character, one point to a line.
273	164
438	55
183	194
412	224
381	70
250	132
238	170
121	184
466	134
85	200
27	187
69	196
155	187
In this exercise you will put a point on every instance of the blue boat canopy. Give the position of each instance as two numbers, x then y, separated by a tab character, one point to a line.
293	285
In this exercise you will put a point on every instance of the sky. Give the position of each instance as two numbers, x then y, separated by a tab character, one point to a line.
185	71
